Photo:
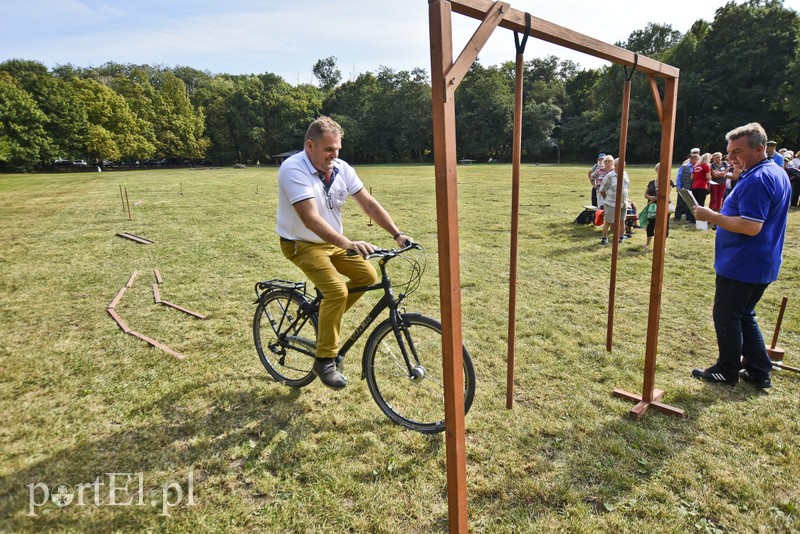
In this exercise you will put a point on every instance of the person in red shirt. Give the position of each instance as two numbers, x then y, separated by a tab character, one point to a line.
719	169
701	176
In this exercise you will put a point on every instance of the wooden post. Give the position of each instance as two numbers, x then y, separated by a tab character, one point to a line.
181	188
370	219
444	151
619	225
519	74
128	202
122	199
651	396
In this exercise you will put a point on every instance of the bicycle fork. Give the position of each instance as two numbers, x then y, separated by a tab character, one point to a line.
407	349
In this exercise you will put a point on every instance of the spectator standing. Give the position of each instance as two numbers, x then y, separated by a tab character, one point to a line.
773	154
606	166
749	246
608	191
651	194
683	180
593	177
701	176
719	170
793	170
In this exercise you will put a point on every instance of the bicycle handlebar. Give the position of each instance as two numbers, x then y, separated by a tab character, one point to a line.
388	252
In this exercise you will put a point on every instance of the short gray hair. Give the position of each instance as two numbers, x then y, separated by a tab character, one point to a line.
323	125
756	136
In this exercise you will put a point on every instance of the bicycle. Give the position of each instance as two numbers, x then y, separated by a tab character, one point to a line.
402	361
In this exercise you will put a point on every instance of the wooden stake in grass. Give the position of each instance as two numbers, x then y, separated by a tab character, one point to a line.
128	202
370	219
122	199
181	188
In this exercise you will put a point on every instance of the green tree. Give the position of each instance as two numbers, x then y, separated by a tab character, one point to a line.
107	109
327	73
484	114
22	127
738	71
66	124
178	126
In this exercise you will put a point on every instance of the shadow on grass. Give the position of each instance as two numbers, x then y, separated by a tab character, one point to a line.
223	438
609	462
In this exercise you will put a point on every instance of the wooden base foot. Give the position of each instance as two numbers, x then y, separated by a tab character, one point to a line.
775	353
642	405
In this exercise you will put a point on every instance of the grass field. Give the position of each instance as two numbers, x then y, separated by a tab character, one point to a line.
79	399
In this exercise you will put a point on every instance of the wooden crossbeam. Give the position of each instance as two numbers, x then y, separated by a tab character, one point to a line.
159	280
156	294
553	33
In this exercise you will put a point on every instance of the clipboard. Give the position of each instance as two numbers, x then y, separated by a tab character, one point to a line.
688	197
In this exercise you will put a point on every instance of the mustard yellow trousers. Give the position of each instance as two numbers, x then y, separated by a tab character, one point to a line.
324	266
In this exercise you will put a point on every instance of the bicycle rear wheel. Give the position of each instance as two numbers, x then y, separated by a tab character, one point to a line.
285	337
413	399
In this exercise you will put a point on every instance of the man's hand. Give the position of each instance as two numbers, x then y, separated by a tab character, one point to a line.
362	248
703	214
403	239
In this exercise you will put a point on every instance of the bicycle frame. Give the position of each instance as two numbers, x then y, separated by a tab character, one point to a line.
388	300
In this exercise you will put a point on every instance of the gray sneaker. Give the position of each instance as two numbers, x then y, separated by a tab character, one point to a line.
326	370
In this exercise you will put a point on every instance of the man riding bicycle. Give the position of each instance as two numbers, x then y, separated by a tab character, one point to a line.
313	186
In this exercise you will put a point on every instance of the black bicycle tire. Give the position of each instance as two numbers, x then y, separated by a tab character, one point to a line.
265	356
385	329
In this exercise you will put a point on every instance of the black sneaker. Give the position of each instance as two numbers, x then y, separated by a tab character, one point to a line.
603	241
715	376
328	373
744	374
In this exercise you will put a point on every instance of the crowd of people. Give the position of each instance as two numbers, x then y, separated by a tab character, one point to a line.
709	176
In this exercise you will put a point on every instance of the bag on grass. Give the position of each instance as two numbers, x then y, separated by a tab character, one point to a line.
598	218
585	217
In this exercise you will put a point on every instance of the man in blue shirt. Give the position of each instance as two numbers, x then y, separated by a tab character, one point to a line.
773	154
749	248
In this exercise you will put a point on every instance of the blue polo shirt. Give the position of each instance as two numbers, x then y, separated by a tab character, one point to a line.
762	195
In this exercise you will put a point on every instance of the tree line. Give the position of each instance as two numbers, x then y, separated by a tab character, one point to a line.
743	66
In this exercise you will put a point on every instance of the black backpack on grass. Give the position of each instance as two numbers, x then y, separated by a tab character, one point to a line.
585	217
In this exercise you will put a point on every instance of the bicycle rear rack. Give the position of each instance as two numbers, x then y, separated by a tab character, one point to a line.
275	283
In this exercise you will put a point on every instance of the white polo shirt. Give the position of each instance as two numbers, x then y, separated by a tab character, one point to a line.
298	180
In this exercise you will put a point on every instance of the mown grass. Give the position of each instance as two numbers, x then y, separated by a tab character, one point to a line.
79	398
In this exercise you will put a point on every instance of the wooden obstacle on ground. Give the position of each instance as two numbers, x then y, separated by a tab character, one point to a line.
139	239
158	300
157	297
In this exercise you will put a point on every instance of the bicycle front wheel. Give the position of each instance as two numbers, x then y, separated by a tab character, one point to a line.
412	394
285	337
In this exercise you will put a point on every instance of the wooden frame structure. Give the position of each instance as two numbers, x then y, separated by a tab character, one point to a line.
446	74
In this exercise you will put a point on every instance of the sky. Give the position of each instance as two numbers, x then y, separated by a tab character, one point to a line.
288	37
